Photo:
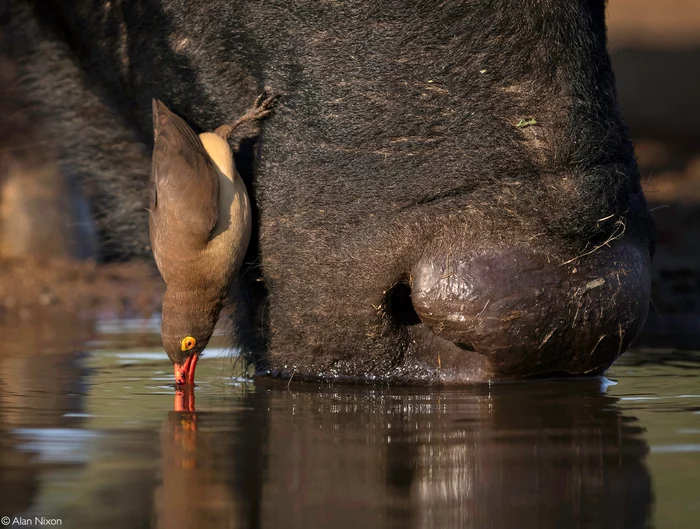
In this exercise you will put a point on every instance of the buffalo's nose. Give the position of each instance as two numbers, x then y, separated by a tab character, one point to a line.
530	314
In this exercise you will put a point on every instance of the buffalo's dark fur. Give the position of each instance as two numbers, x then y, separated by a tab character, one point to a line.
402	126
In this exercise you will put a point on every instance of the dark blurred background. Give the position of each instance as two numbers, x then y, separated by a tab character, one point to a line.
655	49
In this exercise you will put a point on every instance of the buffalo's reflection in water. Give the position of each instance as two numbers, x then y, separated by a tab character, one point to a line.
88	438
545	454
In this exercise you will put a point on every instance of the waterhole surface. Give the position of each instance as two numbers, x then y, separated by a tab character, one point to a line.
89	436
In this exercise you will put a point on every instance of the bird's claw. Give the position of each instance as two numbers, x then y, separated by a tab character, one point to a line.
264	104
262	107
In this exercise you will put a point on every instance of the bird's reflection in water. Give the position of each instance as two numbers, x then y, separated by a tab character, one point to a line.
545	454
184	399
206	480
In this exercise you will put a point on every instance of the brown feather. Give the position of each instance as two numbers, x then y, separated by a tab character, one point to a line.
184	193
183	178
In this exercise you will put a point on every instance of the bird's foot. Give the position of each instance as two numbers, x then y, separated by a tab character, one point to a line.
262	108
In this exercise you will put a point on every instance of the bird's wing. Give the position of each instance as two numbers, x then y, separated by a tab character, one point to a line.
184	187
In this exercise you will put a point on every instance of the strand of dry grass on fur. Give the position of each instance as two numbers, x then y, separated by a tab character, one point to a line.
617	234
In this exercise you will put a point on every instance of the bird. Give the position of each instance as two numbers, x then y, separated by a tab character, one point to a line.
199	226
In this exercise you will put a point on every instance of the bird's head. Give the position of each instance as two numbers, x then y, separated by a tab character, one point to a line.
187	325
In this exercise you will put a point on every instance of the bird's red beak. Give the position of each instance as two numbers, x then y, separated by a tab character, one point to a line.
184	373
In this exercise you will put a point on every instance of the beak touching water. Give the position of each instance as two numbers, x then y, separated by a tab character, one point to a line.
184	373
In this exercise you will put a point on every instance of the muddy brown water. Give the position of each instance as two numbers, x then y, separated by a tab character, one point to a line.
89	437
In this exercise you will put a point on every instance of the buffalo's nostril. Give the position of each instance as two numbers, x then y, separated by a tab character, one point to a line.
465	346
399	306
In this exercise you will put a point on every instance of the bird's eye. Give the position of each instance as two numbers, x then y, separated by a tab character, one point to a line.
188	343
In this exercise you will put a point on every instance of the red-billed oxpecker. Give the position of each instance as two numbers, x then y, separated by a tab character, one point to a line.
200	224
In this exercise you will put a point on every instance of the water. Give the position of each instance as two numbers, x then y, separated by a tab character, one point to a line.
89	436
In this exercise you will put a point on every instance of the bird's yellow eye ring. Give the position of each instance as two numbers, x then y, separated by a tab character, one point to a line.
188	343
